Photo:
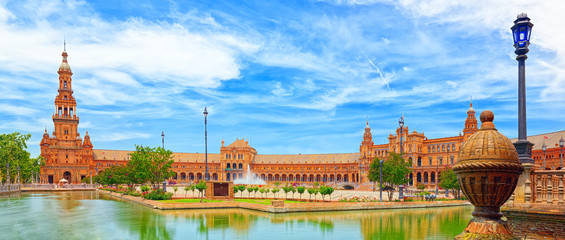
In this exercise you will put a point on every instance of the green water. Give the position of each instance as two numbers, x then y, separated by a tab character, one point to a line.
88	215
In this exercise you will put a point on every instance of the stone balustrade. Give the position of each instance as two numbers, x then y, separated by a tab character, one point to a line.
9	188
547	186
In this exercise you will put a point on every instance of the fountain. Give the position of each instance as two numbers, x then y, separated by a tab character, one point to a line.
250	179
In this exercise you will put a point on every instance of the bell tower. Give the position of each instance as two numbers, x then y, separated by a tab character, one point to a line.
365	148
66	155
470	123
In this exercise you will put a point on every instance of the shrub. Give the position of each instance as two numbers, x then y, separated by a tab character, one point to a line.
157	194
420	186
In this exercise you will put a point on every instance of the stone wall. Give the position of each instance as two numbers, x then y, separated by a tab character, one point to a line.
539	222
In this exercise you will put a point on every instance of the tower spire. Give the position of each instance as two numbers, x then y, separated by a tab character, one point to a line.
64	44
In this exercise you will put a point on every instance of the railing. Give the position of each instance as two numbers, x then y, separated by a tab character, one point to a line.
40	186
10	188
547	186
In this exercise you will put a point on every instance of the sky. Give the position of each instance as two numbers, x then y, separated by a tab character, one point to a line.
288	76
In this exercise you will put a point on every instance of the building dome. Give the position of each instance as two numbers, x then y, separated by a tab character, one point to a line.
64	67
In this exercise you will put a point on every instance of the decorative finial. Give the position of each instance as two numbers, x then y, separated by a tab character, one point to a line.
64	44
486	120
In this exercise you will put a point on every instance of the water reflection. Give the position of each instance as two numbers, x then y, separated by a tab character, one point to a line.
87	215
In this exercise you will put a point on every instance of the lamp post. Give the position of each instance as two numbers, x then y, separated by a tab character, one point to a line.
19	175
561	144
543	148
90	177
206	144
401	124
335	176
163	138
521	32
437	175
381	179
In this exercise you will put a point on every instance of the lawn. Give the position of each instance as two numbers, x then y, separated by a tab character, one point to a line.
189	200
197	200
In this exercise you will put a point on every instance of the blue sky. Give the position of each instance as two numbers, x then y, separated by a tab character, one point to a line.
289	76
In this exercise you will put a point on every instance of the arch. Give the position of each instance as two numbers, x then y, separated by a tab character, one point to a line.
199	176
67	175
304	178
215	176
426	179
419	161
338	177
411	177
228	165
453	147
234	176
277	177
311	178
443	148
419	177
433	177
284	177
228	177
346	178
175	175
191	176
325	178
60	111
270	177
434	149
234	165
263	177
240	175
183	176
65	84
332	178
240	165
318	178
71	112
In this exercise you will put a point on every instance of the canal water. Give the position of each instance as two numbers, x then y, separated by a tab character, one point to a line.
88	215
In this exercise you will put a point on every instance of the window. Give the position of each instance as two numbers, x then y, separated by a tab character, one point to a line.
429	149
443	148
440	160
434	149
65	85
430	160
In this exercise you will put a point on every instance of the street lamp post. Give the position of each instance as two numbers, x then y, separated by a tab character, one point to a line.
163	138
521	32
543	148
561	144
381	180
206	177
401	124
437	176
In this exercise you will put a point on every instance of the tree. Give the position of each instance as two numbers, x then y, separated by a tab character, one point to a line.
186	189
13	152
235	190
150	165
395	172
293	190
201	186
193	188
241	188
286	190
255	189
373	175
175	188
300	190
311	191
448	180
249	190
275	191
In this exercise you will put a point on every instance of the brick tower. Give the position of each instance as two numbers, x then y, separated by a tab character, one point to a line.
65	154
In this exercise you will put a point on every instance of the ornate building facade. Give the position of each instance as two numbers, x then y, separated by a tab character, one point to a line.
66	155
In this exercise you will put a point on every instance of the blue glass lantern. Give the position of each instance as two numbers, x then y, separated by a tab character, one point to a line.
521	32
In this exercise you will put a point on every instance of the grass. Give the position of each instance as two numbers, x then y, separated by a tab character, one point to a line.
197	200
189	200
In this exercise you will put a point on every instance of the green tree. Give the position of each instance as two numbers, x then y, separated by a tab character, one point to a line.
373	175
201	186
13	152
186	189
275	191
448	180
286	190
395	172
312	191
300	190
249	190
255	189
241	188
150	165
175	188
